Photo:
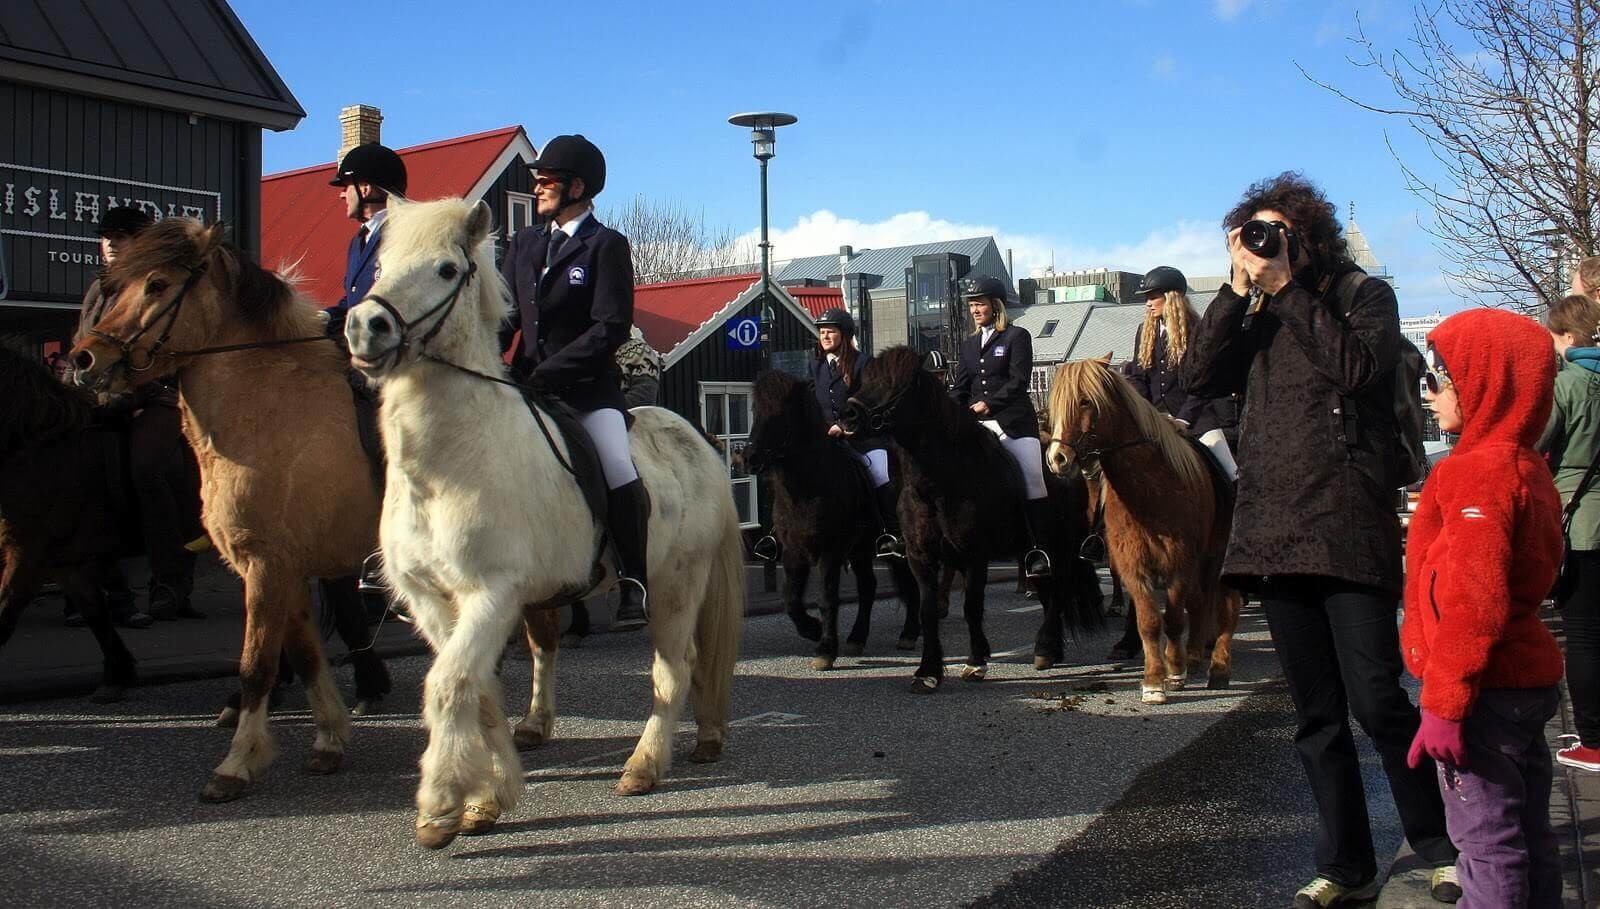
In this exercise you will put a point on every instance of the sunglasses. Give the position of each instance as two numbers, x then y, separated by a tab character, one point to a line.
545	182
1438	377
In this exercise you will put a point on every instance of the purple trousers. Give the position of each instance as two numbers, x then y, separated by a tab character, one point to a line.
1497	809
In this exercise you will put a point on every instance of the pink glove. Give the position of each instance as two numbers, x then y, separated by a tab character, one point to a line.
1440	739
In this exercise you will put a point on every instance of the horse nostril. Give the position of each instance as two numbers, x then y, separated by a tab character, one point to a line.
379	326
83	360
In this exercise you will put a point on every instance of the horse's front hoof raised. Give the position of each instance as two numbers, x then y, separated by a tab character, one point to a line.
108	693
1152	694
906	644
635	783
477	820
1219	681
822	663
527	736
437	834
222	788
322	763
367	707
970	673
706	753
924	684
228	718
852	648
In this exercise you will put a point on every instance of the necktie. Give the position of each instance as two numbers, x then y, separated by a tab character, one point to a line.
365	233
558	239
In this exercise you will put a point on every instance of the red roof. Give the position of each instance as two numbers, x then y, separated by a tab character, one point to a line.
817	300
669	312
303	220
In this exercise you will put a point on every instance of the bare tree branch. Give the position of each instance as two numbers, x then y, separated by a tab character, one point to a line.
670	242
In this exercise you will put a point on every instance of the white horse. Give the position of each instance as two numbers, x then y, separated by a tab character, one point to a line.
480	516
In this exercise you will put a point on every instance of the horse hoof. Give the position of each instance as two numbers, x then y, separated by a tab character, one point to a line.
634	783
108	694
906	644
924	684
527	737
706	753
974	673
852	648
572	639
367	707
1218	682
435	835
477	820
1176	682
822	663
322	763
1152	694
222	788
228	718
1041	663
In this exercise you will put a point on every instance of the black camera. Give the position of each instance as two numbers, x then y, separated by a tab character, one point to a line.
1265	239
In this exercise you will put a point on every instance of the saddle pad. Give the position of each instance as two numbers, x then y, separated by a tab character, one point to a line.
581	453
1224	488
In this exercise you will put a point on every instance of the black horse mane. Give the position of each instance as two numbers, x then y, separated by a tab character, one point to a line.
173	243
38	407
900	369
771	394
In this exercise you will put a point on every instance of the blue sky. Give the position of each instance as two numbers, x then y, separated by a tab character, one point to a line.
1090	133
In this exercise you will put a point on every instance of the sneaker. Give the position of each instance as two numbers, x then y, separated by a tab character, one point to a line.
1446	884
74	619
1579	756
134	619
1322	893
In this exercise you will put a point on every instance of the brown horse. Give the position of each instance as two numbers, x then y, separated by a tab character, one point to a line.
285	481
1166	518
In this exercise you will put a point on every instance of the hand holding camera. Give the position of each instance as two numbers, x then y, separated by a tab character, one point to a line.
1262	252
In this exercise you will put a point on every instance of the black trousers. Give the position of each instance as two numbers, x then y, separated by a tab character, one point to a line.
1339	646
166	481
1580	616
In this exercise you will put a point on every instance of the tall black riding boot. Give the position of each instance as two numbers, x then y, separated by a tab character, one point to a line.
891	545
1036	562
628	512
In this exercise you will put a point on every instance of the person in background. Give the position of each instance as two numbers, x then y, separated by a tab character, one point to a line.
1482	552
1159	346
641	371
1572	442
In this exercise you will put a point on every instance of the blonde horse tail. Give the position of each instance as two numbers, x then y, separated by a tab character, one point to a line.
717	634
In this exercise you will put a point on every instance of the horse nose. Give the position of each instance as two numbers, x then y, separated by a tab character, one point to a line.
379	325
83	360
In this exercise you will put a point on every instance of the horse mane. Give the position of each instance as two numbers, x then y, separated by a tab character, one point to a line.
1109	393
901	368
38	407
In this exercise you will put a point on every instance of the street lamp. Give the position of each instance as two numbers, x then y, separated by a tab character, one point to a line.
764	139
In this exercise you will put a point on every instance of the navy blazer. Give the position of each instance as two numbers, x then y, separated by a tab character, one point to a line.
575	316
998	373
1164	387
832	393
360	273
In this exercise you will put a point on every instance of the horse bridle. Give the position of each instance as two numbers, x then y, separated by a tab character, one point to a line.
443	309
169	312
880	416
1091	460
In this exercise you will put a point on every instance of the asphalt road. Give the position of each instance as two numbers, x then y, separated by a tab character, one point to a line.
1028	789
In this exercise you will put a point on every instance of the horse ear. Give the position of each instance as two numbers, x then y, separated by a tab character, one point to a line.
479	223
1105	360
212	237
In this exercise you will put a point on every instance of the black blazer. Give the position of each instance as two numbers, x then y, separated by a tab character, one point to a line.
1165	388
832	393
360	273
998	373
573	318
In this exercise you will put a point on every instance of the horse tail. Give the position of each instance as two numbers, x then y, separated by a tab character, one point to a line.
1085	607
717	632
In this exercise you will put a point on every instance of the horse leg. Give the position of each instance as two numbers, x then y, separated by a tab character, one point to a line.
265	594
796	572
20	576
1049	646
946	581
671	677
340	596
930	672
483	804
459	758
579	628
303	646
1152	688
972	608
906	589
1221	672
1176	621
828	644
82	587
866	594
544	641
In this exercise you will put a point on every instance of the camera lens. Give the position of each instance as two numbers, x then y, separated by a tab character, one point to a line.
1261	238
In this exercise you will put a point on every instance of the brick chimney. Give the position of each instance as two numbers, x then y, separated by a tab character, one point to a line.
358	125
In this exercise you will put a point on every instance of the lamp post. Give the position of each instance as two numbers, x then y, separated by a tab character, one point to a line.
763	128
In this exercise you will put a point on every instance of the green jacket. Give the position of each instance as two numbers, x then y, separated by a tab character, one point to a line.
1572	438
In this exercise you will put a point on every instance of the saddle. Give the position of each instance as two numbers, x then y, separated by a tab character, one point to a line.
584	460
1225	490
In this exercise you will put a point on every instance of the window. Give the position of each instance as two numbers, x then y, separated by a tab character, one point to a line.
519	212
725	412
1049	328
1039	381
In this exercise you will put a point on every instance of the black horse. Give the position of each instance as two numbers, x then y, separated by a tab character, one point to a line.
821	515
962	503
64	511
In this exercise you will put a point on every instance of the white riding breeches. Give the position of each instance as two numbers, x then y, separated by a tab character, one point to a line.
1029	456
877	463
610	434
1217	444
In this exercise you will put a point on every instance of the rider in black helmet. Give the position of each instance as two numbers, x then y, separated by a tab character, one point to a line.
836	375
573	287
367	176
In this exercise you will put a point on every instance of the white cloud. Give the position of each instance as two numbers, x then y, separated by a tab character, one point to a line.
1228	9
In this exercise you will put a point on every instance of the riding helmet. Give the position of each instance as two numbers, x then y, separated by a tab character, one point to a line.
124	220
1161	280
577	156
982	286
375	164
840	319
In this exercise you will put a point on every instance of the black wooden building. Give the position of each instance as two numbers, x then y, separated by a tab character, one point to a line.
157	104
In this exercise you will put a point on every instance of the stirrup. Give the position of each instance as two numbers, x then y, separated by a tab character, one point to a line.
890	546
371	579
766	549
1029	558
1093	549
627	623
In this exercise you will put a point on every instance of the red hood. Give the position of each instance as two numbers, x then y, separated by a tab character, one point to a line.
1504	374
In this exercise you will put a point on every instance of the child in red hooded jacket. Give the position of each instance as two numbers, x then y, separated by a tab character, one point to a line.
1482	552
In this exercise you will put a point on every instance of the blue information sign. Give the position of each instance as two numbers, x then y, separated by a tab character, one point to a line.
744	333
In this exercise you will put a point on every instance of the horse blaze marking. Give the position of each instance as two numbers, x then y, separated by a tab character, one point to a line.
772	718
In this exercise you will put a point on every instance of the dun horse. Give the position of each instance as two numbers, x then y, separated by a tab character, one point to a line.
1167	517
62	507
486	510
820	517
962	502
287	490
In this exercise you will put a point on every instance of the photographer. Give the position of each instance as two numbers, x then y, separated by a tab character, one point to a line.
1314	353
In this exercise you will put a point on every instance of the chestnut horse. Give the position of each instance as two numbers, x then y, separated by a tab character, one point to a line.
1167	518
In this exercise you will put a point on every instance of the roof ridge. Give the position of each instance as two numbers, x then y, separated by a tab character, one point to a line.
425	146
687	282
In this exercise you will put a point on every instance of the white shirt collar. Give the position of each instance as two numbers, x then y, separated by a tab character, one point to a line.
376	221
988	332
571	227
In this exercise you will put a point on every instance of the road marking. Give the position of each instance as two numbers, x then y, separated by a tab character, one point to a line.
35	750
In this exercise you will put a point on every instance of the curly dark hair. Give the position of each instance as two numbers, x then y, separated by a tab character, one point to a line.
1307	208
